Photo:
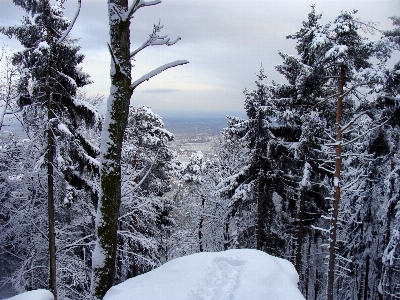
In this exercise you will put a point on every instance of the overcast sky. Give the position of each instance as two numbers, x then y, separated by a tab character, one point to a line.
225	41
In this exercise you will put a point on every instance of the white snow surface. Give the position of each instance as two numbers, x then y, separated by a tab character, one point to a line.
34	295
233	274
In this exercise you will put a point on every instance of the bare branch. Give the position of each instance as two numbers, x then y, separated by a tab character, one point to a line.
66	32
155	40
157	71
136	5
117	12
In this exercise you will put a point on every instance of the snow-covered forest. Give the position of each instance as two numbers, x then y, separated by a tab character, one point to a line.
88	201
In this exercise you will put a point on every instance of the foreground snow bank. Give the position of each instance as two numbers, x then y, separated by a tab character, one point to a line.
34	295
234	274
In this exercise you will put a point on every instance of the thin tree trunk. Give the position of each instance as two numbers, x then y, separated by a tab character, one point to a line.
388	218
50	180
259	208
50	200
135	267
226	236
336	195
307	271
316	284
300	230
366	278
390	195
203	199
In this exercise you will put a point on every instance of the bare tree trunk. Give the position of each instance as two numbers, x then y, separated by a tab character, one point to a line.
122	87
50	201
388	218
300	230
390	206
50	180
203	199
336	195
259	209
307	271
366	278
111	144
226	236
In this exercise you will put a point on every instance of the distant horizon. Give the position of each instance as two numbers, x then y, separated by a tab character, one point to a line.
189	117
189	113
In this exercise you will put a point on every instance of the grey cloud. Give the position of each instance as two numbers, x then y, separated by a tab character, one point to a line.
225	42
160	91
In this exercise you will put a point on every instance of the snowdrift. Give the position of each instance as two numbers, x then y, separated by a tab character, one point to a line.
235	274
34	295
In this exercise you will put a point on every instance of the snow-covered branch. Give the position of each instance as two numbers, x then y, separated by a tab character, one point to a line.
155	40
351	122
347	186
136	5
345	93
320	229
76	243
66	32
365	133
157	71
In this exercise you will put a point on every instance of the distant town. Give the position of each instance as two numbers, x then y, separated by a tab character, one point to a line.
194	132
185	146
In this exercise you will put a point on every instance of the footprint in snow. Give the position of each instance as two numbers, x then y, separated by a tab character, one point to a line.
221	280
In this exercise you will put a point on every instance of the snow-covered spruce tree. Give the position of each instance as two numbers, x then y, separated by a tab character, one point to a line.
232	163
144	219
50	76
386	145
120	14
298	130
348	55
304	116
339	52
249	190
200	213
24	236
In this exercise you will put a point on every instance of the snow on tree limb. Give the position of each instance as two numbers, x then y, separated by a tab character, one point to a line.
157	71
136	5
66	32
355	118
155	40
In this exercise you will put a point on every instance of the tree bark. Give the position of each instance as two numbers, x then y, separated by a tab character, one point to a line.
226	236
336	194
390	206
116	119
110	153
259	211
300	230
203	199
50	181
366	278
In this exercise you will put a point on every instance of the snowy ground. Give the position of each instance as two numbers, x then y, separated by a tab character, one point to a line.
234	274
34	295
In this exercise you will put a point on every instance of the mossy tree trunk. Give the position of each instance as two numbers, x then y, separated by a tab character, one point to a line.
116	119
111	144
